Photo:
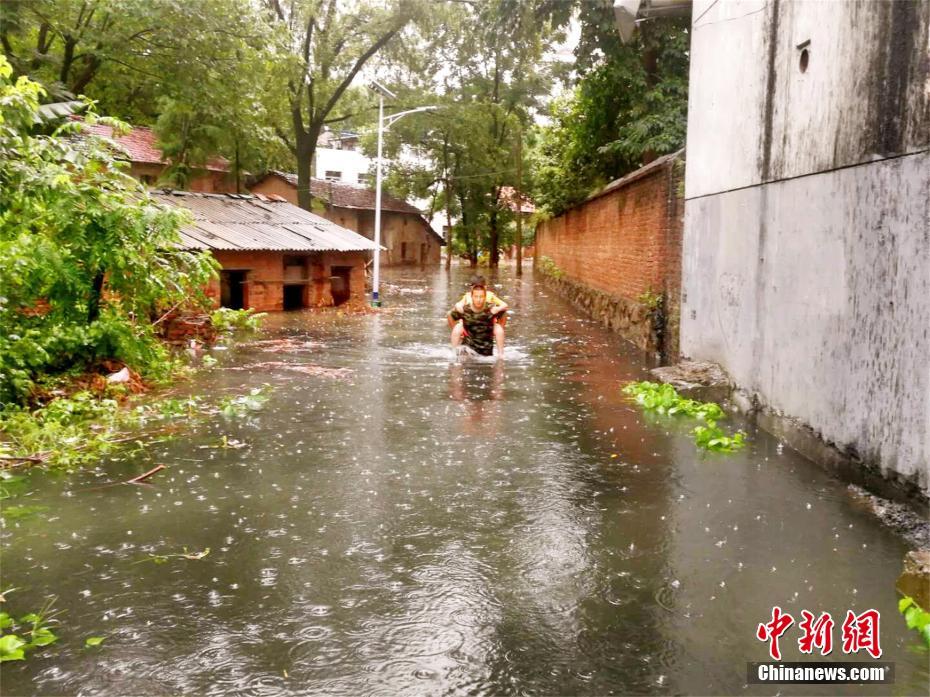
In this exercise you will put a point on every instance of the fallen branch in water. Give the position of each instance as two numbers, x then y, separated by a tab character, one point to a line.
143	477
22	458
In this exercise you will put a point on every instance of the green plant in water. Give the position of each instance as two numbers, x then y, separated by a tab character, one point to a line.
30	632
712	437
227	320
232	407
664	399
916	617
73	431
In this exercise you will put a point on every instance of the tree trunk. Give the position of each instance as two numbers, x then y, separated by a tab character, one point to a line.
96	293
494	241
448	224
305	149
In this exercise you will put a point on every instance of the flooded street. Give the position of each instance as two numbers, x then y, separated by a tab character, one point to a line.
410	525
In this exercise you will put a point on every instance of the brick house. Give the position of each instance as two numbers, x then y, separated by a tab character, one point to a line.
406	236
147	163
274	255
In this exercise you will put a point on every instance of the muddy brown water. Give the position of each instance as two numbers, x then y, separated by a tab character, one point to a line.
416	526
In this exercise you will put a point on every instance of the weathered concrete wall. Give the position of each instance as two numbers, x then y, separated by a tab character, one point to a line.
806	263
618	245
754	115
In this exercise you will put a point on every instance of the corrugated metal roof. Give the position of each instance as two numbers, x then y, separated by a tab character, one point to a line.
244	222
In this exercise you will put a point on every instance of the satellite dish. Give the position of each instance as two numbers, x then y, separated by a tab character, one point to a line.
625	12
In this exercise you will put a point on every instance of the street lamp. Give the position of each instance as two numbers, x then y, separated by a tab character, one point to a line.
382	125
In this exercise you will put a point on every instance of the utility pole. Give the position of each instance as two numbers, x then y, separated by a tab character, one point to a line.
519	190
448	195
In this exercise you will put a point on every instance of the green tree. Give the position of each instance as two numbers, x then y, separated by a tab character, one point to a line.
320	48
197	72
483	64
88	257
628	105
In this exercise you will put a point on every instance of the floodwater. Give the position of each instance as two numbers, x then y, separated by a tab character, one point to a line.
411	525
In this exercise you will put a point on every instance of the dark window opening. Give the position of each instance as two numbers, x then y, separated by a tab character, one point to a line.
339	284
403	250
293	297
423	253
232	289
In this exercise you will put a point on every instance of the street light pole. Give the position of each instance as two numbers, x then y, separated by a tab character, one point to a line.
375	299
383	124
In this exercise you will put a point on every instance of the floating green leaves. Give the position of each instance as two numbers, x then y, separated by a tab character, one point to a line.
712	437
664	399
31	632
93	641
232	407
916	617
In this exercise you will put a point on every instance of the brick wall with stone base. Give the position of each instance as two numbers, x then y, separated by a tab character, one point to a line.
619	252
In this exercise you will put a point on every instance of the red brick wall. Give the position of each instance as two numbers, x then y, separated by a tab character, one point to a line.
617	242
265	279
625	242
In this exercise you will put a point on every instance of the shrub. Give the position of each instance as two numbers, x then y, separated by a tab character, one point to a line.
88	256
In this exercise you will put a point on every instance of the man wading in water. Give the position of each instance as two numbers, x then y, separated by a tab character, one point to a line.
478	320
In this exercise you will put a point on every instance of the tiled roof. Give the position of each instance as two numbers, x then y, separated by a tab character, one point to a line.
343	195
244	222
140	146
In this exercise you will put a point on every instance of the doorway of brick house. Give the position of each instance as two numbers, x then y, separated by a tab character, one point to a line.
339	283
232	289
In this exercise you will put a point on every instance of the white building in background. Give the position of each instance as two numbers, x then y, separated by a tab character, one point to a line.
339	158
806	254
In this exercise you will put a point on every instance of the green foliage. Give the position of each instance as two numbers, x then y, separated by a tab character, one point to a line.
31	632
76	431
227	320
916	617
197	72
67	433
629	103
712	437
20	512
236	407
88	256
653	301
549	268
92	641
664	399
